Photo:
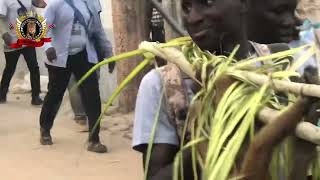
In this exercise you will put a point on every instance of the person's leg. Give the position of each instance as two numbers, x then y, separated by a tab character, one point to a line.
91	99
76	102
11	64
30	57
58	82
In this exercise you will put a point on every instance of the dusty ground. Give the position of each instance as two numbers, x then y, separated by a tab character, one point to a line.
23	158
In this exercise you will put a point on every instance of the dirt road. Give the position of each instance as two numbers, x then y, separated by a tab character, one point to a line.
23	158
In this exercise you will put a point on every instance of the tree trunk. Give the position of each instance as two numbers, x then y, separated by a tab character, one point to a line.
130	28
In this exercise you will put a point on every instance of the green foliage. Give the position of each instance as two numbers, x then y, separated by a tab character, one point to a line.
223	127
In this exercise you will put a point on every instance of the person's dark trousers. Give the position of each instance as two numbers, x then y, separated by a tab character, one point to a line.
75	97
89	90
12	58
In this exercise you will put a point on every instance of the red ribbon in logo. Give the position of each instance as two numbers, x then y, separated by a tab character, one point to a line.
30	43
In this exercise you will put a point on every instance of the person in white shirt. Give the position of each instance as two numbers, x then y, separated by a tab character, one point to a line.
78	109
78	42
9	12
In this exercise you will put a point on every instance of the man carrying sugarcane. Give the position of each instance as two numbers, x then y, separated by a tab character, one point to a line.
216	26
78	41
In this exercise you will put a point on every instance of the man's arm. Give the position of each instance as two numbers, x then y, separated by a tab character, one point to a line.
165	144
162	162
4	28
97	5
102	44
105	45
50	16
4	31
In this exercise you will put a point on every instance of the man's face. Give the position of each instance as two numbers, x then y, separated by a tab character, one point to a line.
274	20
211	22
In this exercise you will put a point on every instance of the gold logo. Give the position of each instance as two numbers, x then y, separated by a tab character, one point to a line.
31	27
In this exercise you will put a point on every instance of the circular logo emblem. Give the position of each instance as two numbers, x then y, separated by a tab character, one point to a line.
31	27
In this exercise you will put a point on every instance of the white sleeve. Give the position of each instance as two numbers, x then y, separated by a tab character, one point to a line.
3	8
49	15
147	104
98	5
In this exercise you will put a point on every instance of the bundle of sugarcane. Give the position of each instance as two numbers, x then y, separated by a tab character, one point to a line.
222	127
218	128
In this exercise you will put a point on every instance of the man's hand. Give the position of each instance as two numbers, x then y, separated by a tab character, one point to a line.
311	76
7	38
51	54
111	67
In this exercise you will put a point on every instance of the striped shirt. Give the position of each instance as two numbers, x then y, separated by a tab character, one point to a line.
157	19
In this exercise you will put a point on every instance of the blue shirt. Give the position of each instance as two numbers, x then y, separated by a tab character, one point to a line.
59	13
79	36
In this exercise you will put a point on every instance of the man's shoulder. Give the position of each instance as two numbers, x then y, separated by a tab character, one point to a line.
151	79
8	3
5	2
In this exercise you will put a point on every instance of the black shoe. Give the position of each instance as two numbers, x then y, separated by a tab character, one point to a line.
36	101
45	138
3	99
97	147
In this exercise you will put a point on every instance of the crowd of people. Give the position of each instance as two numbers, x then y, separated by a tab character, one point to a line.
79	42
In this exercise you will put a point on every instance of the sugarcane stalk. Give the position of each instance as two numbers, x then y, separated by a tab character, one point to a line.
304	130
279	85
172	55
